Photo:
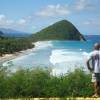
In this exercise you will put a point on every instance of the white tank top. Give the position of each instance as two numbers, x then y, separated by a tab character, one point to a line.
95	56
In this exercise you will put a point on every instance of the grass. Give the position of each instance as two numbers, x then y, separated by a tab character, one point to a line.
39	82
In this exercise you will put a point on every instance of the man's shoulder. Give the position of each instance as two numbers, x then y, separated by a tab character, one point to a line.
93	53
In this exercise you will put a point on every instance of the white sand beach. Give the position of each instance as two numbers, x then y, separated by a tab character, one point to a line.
8	57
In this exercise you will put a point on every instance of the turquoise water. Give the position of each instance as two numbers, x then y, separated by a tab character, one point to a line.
61	56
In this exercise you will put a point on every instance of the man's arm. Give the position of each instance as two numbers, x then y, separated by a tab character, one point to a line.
88	64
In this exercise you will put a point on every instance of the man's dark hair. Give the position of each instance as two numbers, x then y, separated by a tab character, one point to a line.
96	46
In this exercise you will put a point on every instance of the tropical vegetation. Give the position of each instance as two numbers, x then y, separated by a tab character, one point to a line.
39	82
12	45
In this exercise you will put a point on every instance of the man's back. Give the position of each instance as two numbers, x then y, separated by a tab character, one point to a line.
95	57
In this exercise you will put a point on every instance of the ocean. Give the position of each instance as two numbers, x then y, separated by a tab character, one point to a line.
60	56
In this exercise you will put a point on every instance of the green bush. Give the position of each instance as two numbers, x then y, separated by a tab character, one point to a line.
12	45
40	83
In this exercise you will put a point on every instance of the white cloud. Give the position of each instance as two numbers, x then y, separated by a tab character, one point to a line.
54	10
81	5
9	22
20	24
95	22
2	17
63	9
87	23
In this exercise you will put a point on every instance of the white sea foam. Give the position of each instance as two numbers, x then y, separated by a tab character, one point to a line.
85	53
65	60
43	44
60	56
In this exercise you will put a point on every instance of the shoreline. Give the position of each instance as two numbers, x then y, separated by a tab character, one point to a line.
8	57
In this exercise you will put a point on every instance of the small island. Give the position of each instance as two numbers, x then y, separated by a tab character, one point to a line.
61	30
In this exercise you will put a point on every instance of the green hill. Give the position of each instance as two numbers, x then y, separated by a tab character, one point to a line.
62	30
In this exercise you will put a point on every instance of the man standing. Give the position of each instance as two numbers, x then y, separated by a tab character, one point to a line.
94	57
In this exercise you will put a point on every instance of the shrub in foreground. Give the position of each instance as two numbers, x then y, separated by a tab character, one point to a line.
40	83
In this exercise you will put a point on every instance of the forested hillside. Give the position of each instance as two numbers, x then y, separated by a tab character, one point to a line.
62	30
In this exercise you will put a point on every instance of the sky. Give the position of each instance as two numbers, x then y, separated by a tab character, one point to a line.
33	15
